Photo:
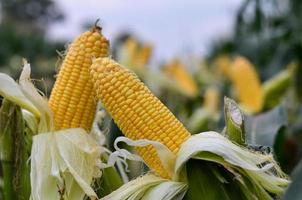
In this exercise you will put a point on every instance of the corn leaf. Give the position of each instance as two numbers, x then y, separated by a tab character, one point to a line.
294	191
262	129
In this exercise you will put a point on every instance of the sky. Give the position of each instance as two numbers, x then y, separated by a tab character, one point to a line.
174	27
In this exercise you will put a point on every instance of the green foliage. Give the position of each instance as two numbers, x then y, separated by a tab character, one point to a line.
294	191
22	34
266	32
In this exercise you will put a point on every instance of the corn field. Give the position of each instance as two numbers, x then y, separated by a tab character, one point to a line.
114	128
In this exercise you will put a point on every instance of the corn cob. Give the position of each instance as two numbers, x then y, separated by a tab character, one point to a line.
223	65
143	56
73	99
211	99
247	85
177	71
138	113
129	51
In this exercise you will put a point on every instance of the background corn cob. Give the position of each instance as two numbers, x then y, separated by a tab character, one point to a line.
73	99
247	85
138	113
184	80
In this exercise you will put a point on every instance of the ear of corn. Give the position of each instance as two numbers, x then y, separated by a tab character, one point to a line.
129	50
177	71
247	85
73	99
211	99
223	65
138	113
135	55
143	56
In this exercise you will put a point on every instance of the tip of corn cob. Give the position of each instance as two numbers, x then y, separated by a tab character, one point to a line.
72	99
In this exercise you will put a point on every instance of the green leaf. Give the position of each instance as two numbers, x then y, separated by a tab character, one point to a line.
294	191
248	167
204	180
110	180
275	88
262	129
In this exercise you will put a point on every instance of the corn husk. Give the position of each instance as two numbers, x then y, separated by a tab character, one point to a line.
256	175
64	161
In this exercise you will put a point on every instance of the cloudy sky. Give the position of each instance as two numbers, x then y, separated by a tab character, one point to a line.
173	26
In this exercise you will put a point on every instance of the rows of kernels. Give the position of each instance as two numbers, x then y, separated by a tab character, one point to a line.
73	99
138	113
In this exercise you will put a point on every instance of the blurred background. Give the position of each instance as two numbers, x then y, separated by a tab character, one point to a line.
188	54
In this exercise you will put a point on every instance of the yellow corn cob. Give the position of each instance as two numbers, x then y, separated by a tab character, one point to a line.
143	56
177	71
211	99
247	85
130	49
223	65
73	99
138	113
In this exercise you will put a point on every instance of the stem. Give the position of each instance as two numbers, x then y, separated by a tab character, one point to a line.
6	150
234	121
8	187
14	153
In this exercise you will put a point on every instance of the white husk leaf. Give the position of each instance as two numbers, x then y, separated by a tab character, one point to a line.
30	120
10	90
214	147
65	159
148	187
166	156
29	90
166	191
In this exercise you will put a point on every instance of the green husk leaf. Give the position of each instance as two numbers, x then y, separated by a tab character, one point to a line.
275	88
211	181
234	121
109	182
257	169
